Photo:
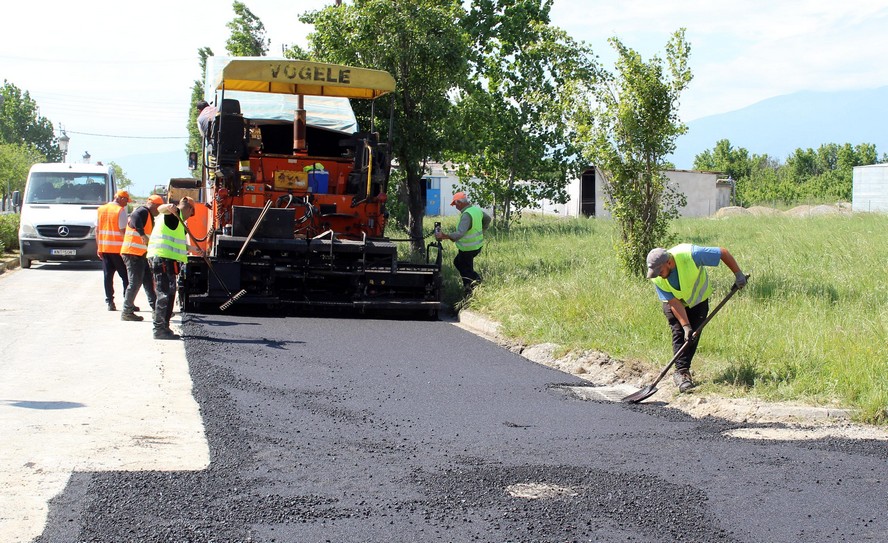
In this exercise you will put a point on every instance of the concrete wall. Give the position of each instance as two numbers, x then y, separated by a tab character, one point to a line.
870	188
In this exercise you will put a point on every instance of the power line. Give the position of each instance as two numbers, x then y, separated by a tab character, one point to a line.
129	137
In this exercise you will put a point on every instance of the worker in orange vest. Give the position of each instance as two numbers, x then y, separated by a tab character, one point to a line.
110	227
135	246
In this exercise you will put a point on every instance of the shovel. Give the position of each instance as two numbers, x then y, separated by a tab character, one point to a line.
649	390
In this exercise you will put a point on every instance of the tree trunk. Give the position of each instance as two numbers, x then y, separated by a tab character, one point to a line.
416	211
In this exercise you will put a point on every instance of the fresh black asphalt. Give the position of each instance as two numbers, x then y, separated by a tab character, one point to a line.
362	430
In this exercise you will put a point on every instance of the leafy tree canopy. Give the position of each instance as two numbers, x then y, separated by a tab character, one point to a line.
15	161
247	37
20	122
526	81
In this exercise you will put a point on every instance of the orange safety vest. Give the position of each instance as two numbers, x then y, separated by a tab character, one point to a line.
132	241
198	225
109	238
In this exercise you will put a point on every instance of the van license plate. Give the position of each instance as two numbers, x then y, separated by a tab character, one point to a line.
63	252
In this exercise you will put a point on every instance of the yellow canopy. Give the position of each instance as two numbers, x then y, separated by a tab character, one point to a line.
260	74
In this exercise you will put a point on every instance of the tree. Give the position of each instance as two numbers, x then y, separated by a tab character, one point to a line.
526	78
247	37
630	131
197	94
123	182
15	161
422	45
20	122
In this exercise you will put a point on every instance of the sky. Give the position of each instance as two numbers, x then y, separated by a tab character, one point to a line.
118	79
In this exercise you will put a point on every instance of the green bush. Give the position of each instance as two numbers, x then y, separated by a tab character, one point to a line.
9	225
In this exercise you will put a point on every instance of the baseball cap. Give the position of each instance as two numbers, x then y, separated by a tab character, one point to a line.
655	260
458	196
155	199
122	194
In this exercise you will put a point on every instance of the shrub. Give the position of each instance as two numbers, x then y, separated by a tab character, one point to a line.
9	225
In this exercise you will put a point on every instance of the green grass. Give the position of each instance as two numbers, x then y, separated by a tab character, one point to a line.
812	325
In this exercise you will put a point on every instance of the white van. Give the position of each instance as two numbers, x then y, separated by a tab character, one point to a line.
60	209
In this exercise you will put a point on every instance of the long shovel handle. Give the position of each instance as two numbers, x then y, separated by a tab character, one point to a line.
253	231
696	333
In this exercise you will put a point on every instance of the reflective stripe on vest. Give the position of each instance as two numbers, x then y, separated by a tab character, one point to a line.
132	241
168	243
109	238
474	238
693	281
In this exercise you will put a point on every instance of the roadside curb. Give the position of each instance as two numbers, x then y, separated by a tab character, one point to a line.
489	329
9	264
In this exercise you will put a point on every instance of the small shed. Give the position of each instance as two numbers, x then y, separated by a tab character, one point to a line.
869	191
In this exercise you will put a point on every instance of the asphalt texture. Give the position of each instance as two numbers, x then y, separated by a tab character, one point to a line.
362	430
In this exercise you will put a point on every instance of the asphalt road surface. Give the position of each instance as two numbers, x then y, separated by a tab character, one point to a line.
361	430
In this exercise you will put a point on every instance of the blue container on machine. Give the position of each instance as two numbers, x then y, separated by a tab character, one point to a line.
318	181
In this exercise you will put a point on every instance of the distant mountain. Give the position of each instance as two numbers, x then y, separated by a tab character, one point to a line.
778	126
148	170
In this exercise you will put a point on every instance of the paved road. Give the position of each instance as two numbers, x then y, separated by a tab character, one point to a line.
374	430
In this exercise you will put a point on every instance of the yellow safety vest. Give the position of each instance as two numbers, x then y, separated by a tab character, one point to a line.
693	281
474	238
166	242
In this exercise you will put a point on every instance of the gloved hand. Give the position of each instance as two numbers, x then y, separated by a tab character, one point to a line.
740	279
688	332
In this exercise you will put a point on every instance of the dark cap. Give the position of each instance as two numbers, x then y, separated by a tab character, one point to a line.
655	260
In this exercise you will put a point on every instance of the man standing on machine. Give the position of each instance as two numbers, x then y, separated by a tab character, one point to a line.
682	284
167	252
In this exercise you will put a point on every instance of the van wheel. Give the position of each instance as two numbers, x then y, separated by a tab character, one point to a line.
24	261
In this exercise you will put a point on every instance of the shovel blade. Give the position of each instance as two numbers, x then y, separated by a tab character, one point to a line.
641	395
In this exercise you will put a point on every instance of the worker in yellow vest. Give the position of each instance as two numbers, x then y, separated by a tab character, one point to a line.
110	226
134	251
469	239
167	253
682	284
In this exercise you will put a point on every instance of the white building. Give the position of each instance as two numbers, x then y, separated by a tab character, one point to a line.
706	193
870	188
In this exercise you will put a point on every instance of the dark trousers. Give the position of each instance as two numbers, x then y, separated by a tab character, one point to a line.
465	265
139	275
164	272
696	316
112	263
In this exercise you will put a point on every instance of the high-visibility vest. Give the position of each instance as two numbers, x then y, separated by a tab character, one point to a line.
198	225
693	280
132	241
474	238
166	242
109	238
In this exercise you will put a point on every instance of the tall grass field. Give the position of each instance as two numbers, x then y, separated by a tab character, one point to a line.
811	326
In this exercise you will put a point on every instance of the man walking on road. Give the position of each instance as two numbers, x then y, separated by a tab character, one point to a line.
167	252
135	247
682	284
469	239
110	226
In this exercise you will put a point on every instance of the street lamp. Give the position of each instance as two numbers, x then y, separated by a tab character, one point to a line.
86	157
63	145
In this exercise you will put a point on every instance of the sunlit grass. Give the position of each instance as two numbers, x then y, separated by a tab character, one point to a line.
811	326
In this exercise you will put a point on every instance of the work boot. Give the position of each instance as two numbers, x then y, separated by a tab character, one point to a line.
136	308
165	334
131	317
682	379
111	306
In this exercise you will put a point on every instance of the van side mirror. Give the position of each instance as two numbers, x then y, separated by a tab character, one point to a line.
192	160
16	200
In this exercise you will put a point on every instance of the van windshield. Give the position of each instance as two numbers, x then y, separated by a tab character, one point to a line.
66	188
